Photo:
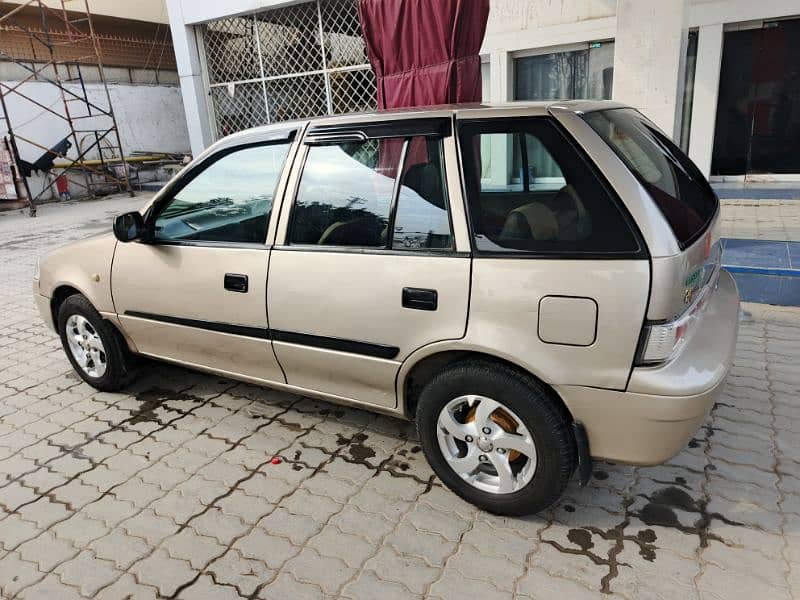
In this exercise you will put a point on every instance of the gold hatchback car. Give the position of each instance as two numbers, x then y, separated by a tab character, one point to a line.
535	284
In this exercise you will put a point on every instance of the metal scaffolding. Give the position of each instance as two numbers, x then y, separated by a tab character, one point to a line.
64	41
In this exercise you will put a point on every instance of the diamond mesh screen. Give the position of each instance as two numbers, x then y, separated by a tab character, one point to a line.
293	62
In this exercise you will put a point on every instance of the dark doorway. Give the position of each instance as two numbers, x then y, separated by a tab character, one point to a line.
758	111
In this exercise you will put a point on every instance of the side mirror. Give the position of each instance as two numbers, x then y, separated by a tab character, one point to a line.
129	227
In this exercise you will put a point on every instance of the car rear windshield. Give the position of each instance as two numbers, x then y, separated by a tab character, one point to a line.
674	182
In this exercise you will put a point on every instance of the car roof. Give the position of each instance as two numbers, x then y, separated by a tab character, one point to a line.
462	111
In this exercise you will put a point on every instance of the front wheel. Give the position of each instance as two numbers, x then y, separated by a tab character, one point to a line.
496	437
93	346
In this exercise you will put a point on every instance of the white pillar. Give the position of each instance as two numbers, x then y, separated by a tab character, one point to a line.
501	89
706	91
649	61
500	72
187	57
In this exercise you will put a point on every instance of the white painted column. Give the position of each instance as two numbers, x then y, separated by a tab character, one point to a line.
706	91
501	89
187	57
649	62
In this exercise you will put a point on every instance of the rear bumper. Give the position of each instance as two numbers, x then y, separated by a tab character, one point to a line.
663	406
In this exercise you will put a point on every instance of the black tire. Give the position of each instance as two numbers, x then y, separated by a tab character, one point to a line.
547	423
120	362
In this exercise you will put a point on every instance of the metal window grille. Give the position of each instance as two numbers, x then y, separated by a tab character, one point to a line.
287	63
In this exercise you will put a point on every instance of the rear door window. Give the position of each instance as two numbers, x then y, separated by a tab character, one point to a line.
530	190
673	181
384	193
345	195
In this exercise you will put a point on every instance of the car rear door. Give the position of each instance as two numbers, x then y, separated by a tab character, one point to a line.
560	274
196	292
367	265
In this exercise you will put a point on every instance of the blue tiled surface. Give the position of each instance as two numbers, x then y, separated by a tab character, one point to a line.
768	289
765	271
750	193
756	253
794	254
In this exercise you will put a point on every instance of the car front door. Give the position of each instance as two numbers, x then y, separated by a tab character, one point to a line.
367	267
195	291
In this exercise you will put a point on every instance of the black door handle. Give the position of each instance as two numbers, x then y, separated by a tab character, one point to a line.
236	282
420	299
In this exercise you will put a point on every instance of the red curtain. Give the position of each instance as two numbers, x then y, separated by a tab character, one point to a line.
424	52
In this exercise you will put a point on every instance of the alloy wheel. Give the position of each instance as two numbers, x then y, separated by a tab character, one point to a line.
86	346
486	444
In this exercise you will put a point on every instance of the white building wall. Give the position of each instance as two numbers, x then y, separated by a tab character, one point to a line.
149	118
141	10
649	58
649	36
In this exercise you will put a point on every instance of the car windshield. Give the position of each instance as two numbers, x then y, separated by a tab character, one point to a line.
670	177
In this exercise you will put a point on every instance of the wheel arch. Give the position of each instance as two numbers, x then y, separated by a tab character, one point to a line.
415	373
60	294
64	291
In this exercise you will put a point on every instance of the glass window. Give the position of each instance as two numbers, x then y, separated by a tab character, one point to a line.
229	200
584	73
422	220
346	191
673	181
345	194
542	196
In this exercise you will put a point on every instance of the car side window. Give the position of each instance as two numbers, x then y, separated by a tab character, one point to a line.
422	221
530	190
229	200
346	196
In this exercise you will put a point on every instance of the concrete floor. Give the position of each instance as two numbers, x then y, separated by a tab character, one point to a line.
168	490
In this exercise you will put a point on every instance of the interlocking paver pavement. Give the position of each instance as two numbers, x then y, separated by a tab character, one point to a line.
168	490
761	219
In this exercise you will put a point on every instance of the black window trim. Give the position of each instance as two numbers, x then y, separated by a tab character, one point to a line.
387	130
642	253
150	216
415	127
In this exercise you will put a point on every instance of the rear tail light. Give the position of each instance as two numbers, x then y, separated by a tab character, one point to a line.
662	341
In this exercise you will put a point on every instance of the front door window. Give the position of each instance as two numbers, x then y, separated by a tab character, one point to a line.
228	199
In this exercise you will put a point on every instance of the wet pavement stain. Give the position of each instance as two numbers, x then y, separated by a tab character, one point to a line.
153	399
600	475
660	511
357	448
336	412
581	538
296	466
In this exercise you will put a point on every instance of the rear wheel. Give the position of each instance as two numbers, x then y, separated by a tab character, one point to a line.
496	437
97	352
